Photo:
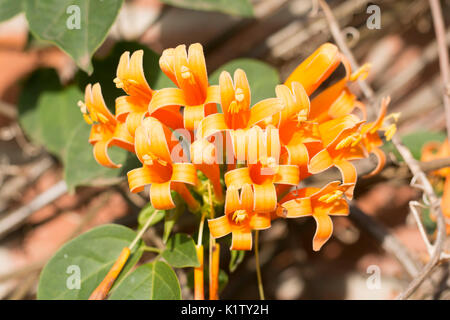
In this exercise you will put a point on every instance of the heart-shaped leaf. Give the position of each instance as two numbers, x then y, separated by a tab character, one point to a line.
180	251
9	8
152	281
82	263
78	27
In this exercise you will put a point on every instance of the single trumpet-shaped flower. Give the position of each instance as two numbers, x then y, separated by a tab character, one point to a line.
340	139
153	146
133	107
318	203
240	218
262	176
106	130
235	101
188	72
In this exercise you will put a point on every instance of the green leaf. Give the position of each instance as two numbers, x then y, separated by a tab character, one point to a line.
105	71
414	142
234	7
93	254
80	167
59	117
262	77
39	83
237	256
9	8
152	281
78	27
180	251
145	214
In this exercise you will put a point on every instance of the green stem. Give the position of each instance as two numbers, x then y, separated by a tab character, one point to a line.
152	249
141	233
258	267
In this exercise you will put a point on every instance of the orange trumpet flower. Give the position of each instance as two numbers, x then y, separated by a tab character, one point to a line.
188	72
106	130
340	138
337	100
235	101
133	107
318	203
316	68
153	145
299	137
239	219
263	176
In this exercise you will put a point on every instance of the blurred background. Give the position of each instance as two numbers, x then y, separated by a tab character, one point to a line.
39	212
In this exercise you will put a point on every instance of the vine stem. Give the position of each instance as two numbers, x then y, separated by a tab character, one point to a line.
141	233
258	267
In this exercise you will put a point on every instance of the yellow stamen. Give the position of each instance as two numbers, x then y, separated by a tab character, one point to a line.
87	119
239	95
269	166
239	216
395	116
361	73
149	159
302	115
102	118
331	197
185	72
351	140
234	107
390	131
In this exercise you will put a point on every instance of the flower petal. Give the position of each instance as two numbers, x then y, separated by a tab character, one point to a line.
263	110
349	175
316	68
324	230
238	177
339	208
219	227
160	196
299	207
265	197
260	221
166	97
381	161
320	162
241	240
193	115
287	174
140	177
184	172
211	124
101	154
297	154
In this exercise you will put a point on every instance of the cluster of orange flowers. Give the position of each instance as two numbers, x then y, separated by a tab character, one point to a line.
273	145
